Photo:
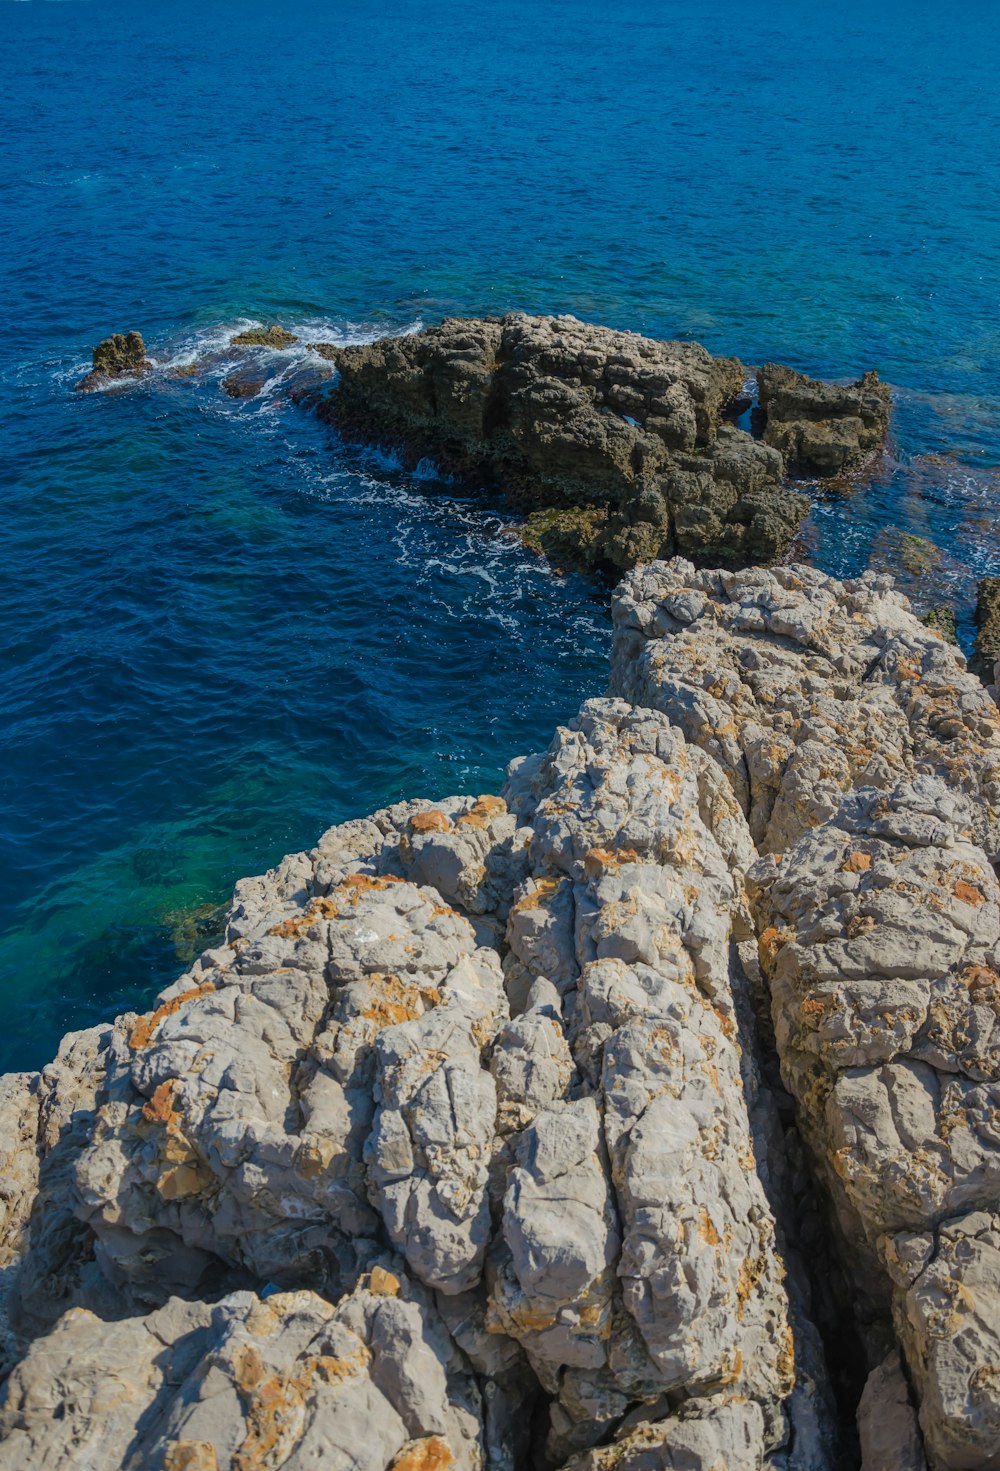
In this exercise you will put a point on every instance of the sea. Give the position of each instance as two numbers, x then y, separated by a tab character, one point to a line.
223	630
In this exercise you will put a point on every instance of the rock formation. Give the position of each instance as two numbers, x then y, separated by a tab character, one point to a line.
118	356
822	428
987	651
617	443
643	1116
273	336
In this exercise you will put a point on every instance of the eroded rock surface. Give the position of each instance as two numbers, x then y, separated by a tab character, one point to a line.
617	437
822	429
498	1131
865	756
122	355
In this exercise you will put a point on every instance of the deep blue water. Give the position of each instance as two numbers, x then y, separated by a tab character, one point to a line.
222	633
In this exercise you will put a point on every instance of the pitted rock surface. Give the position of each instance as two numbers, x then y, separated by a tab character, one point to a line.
469	1146
564	415
803	687
822	428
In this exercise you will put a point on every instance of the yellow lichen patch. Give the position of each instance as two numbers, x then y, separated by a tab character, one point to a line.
536	897
770	942
531	1320
968	893
357	884
433	1453
314	1158
706	1228
275	1411
858	862
142	1032
160	1108
190	1455
398	1001
180	1181
318	908
482	812
752	1269
812	1008
434	821
333	1370
383	1283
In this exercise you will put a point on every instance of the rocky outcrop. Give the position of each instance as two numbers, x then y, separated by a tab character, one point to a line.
624	432
593	1125
865	758
273	336
822	429
118	356
986	654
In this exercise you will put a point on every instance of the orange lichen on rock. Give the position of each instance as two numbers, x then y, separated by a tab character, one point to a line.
142	1032
433	1453
398	1001
535	898
482	812
433	821
383	1283
769	944
357	884
858	862
968	893
190	1455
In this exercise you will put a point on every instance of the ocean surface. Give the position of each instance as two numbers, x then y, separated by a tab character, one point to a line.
221	631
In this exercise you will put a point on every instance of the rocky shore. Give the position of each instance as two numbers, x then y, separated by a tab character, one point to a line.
643	1115
622	449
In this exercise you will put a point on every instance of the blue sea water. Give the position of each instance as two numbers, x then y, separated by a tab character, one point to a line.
222	631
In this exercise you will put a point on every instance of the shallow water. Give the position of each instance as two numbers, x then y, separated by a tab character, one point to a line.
221	632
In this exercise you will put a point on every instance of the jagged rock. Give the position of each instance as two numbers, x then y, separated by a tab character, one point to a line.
987	650
243	384
887	1422
822	428
244	1383
118	356
273	336
803	687
614	439
499	1076
706	1435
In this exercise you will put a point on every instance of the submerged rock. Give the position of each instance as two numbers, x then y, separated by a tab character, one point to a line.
575	420
822	428
118	356
273	336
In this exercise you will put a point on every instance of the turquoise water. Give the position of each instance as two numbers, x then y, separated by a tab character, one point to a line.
221	631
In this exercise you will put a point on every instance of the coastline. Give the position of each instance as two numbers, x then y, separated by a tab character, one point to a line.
357	1123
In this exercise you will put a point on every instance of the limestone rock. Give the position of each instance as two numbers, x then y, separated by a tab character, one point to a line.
887	1422
247	1383
803	687
613	440
822	428
706	1435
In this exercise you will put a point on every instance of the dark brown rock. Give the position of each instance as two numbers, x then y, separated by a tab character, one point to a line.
822	428
273	336
119	356
561	414
987	650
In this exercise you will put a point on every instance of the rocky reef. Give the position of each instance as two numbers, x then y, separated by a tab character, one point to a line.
122	355
623	449
644	1115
